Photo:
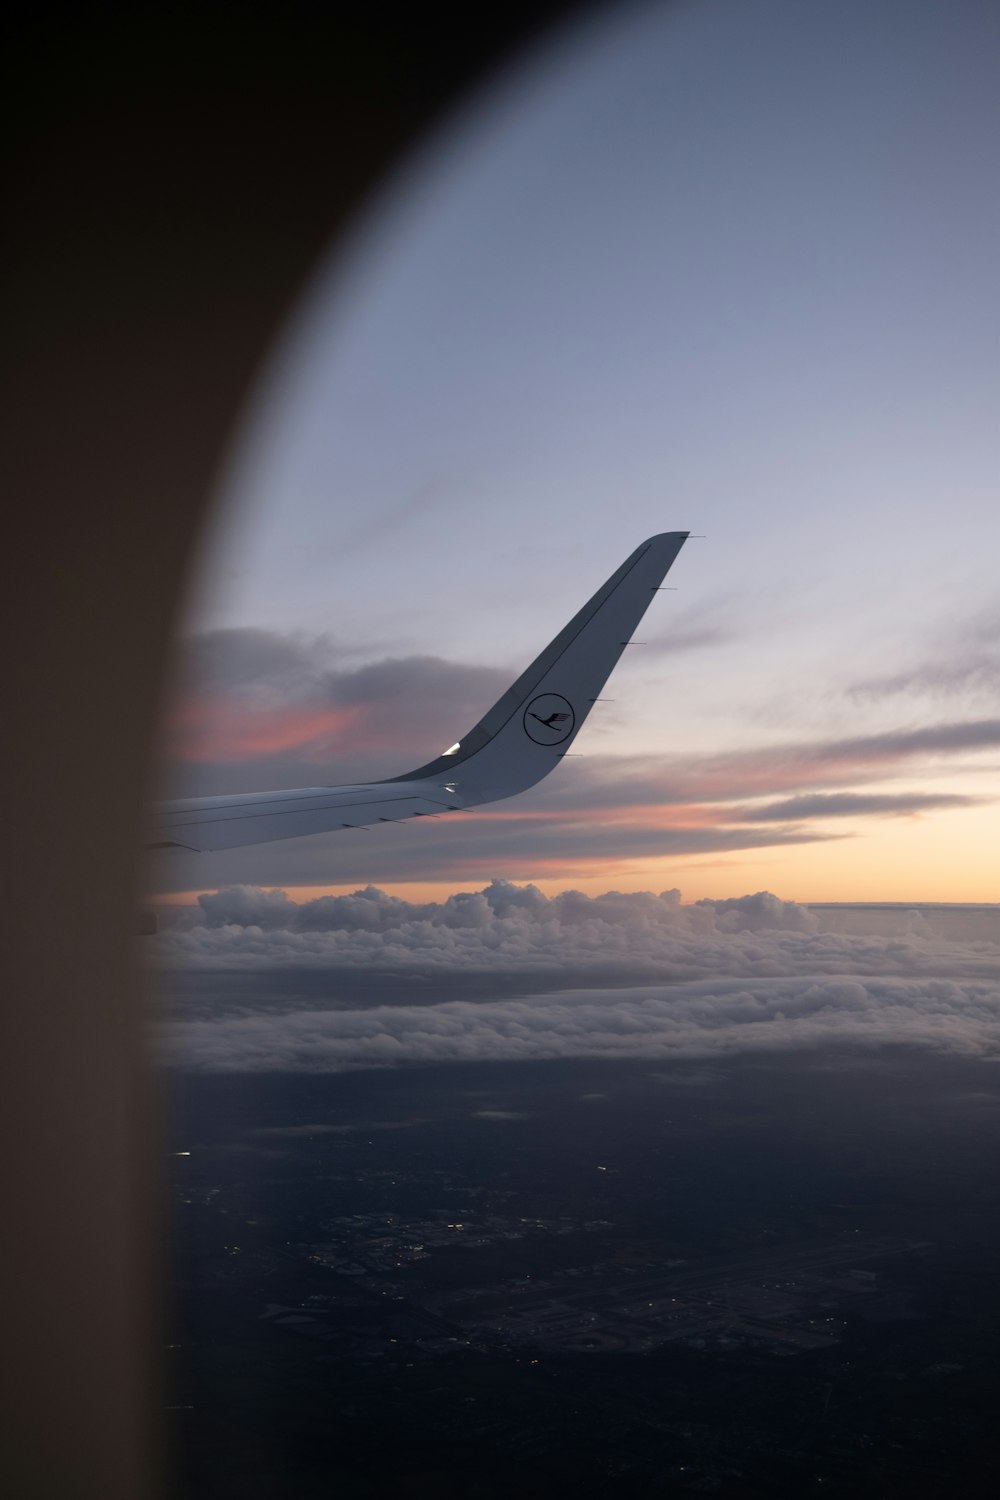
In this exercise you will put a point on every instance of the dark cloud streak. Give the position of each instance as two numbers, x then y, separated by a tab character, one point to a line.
853	805
968	663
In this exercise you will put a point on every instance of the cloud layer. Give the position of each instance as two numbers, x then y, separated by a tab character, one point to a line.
506	973
256	709
710	1019
963	660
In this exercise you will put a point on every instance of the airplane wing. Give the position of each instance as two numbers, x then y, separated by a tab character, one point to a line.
516	744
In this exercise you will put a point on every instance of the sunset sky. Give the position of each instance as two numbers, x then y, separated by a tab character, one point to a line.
721	267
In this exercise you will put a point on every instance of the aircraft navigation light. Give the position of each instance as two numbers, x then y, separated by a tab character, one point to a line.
454	749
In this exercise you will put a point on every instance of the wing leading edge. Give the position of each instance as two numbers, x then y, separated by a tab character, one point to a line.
522	738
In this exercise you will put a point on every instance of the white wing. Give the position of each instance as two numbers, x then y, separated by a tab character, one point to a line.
520	740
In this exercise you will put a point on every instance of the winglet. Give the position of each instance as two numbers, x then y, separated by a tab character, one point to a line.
532	726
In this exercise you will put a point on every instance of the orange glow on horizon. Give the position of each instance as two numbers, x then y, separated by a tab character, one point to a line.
948	855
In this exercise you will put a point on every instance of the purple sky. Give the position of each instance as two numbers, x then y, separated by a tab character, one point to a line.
715	266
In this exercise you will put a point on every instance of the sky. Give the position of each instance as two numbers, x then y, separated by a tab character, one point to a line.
712	266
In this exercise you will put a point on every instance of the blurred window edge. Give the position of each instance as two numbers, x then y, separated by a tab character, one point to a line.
168	206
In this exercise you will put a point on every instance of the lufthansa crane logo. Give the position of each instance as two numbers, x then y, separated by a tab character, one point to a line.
549	719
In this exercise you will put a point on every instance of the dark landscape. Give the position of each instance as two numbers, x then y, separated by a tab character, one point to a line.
766	1275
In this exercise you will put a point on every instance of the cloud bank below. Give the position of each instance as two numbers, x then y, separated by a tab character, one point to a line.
256	982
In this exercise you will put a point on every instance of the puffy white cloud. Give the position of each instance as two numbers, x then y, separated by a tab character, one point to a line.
508	973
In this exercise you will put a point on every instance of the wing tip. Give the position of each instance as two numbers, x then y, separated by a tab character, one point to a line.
667	536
